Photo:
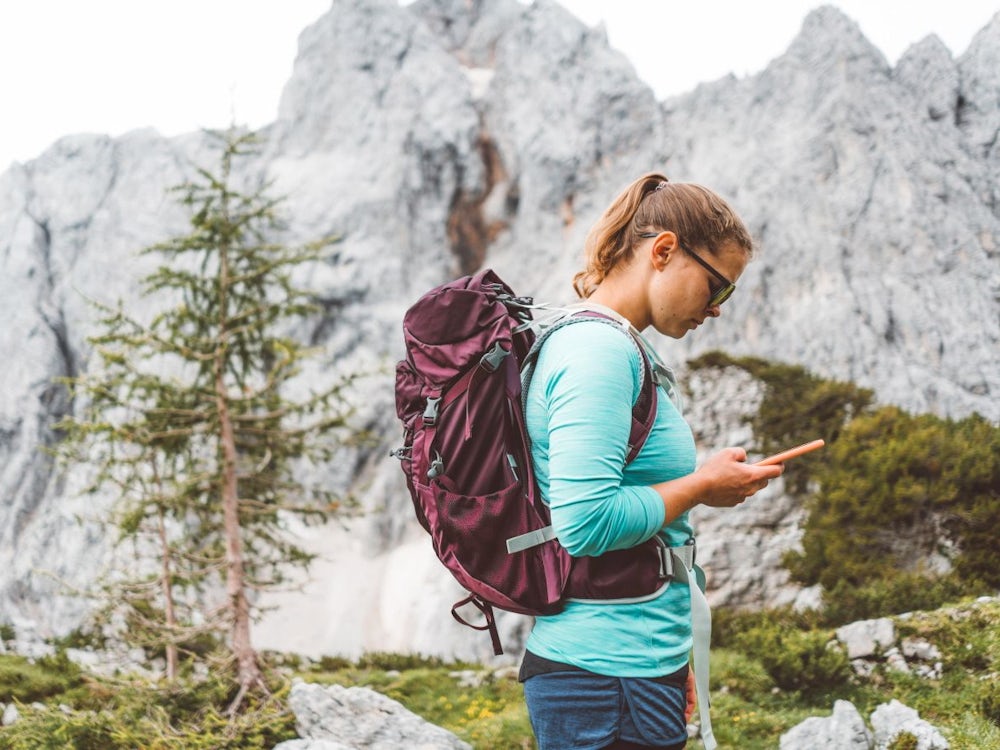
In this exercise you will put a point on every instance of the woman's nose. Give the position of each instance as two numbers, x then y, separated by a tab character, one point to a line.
713	311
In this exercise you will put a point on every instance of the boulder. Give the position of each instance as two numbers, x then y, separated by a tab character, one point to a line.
893	719
361	719
843	730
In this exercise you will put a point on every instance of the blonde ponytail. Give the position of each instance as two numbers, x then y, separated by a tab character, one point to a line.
610	241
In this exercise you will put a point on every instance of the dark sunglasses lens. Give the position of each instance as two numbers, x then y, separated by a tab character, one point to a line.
722	295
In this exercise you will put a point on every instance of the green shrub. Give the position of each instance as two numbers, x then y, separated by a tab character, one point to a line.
739	674
796	659
729	624
397	662
332	663
894	488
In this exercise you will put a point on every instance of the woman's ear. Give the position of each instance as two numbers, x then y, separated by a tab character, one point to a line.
662	249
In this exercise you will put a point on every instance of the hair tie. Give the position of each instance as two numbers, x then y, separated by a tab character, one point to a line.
663	184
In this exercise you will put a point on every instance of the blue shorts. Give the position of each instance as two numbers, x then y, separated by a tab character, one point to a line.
586	711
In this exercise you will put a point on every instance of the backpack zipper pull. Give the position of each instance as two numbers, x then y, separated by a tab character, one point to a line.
513	467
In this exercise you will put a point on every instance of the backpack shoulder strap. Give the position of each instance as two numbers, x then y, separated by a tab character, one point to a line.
662	374
644	408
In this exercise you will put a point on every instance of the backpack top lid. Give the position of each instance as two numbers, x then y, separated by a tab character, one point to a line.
447	330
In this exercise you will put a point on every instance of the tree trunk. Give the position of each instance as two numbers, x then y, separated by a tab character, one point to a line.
168	601
249	673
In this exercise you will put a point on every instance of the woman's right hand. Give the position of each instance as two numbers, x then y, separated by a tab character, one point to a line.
729	480
723	481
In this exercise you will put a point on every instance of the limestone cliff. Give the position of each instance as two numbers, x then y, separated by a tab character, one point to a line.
450	134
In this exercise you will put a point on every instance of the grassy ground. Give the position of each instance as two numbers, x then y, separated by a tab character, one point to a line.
750	709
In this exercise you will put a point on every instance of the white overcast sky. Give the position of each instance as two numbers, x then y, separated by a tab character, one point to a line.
110	66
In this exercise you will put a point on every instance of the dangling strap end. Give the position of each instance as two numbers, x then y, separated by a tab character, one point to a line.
491	623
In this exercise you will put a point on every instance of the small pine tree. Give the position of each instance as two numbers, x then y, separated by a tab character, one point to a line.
188	419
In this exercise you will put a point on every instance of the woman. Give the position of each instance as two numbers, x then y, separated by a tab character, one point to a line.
613	674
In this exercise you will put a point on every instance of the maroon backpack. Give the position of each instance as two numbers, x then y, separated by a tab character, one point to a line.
467	458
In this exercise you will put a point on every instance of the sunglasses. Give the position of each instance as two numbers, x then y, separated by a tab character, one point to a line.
719	295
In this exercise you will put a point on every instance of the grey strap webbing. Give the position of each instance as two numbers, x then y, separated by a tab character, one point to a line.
701	632
531	539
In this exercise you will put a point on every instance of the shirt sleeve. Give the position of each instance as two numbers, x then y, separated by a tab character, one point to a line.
591	377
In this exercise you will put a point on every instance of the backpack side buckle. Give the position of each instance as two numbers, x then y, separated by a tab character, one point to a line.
431	411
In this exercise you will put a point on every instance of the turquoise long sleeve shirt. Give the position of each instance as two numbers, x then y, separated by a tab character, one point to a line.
578	411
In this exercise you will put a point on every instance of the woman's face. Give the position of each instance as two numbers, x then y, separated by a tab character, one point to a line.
683	287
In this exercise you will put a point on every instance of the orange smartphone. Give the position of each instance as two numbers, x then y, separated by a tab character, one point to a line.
780	458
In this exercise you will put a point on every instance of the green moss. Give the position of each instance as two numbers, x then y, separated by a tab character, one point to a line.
26	681
121	715
903	741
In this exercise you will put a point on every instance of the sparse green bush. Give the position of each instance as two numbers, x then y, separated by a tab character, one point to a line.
729	624
895	488
796	659
740	674
398	662
332	663
119	715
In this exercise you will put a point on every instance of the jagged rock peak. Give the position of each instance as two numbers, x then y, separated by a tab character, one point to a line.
358	61
830	36
988	36
928	70
979	109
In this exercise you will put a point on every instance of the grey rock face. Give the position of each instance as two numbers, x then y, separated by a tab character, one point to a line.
361	718
740	548
929	72
448	134
851	189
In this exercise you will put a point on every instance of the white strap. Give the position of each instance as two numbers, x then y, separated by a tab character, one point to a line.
531	539
701	631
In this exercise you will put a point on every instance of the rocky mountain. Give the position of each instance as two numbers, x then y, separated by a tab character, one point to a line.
449	134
